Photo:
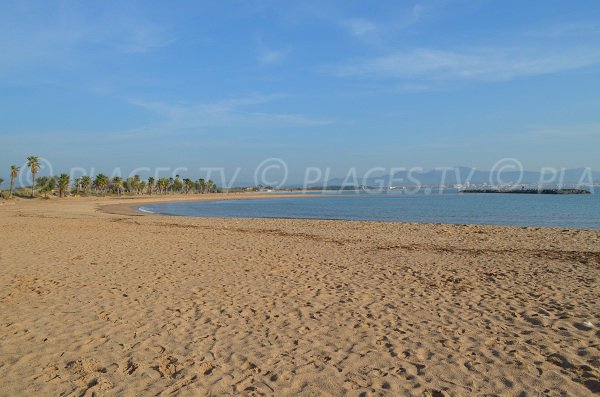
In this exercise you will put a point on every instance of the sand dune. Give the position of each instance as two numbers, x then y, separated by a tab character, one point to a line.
95	303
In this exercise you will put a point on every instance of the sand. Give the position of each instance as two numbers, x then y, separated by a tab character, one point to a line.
118	304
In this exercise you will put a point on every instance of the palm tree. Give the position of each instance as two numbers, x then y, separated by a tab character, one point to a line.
202	185
46	185
117	183
177	185
14	172
101	182
188	185
163	185
128	184
210	186
78	185
1	180
136	184
151	181
63	184
86	182
33	162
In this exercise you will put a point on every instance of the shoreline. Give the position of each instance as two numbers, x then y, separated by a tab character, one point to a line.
131	209
127	206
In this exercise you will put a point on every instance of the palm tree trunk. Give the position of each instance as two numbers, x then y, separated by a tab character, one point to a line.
12	187
33	185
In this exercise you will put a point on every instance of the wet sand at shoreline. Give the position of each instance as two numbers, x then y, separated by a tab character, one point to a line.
99	300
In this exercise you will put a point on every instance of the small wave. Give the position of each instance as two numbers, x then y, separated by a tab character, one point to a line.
147	211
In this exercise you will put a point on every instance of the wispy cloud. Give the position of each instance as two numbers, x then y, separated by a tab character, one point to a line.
267	55
230	112
52	36
417	11
359	27
377	31
143	38
480	64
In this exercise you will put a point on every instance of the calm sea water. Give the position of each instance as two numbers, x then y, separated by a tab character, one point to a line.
573	211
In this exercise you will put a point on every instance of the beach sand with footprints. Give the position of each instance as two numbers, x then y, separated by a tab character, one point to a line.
95	300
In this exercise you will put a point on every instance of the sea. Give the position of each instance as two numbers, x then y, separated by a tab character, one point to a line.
450	207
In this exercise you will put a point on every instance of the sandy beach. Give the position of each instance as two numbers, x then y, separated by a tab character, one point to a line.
96	299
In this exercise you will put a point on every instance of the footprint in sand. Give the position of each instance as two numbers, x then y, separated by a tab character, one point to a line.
129	367
206	368
167	367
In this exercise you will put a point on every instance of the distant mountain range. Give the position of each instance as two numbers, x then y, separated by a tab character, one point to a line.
462	175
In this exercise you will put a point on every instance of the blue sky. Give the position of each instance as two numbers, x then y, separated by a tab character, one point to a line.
326	84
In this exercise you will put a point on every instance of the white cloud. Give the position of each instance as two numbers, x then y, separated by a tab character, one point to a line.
359	27
41	35
481	64
417	12
377	32
231	112
141	39
268	57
